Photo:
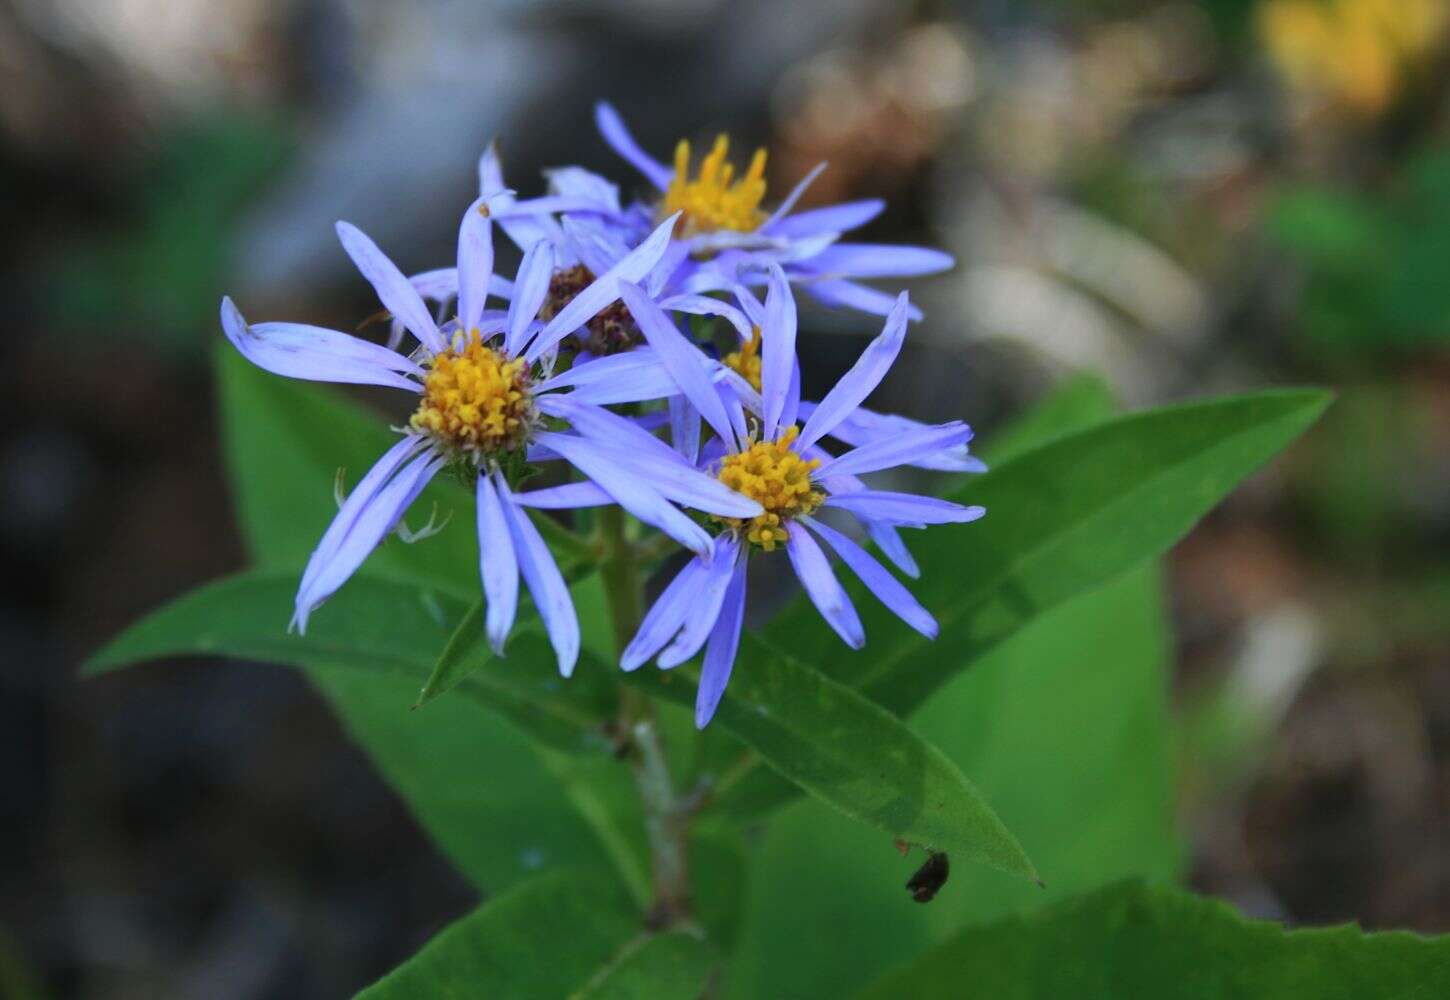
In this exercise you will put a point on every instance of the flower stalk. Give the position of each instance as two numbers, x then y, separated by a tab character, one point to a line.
664	813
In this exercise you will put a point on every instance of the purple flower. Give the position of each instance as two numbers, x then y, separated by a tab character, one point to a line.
769	458
725	231
485	390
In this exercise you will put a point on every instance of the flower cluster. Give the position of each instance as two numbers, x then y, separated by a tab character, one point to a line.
583	363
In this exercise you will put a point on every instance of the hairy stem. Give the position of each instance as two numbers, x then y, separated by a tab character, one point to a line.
665	819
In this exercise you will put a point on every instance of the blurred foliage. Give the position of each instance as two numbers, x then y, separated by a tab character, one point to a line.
1375	266
153	274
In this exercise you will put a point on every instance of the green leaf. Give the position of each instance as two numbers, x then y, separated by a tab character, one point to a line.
1144	941
1063	727
570	933
1062	518
473	783
851	754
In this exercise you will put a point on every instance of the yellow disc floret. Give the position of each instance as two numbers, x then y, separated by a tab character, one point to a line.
714	199
774	476
746	361
475	400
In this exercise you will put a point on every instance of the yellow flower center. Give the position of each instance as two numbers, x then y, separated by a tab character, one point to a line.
779	480
715	199
475	401
746	361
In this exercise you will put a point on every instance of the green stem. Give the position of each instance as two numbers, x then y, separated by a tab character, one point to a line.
664	818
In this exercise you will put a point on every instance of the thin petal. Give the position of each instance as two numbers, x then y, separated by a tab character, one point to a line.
597	248
665	617
822	587
569	496
394	290
584	186
886	587
879	260
604	289
830	219
680	357
864	426
840	293
366	517
531	286
316	354
704	305
720	653
498	566
777	349
684	428
899	449
888	540
705	606
772	224
903	508
616	133
629	489
475	263
858	383
546	583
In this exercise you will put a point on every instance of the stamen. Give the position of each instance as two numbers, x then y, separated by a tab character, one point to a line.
746	361
715	199
777	478
475	401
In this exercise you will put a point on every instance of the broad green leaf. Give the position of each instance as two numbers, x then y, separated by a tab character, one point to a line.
284	441
1135	940
851	754
1063	518
676	964
1065	730
1063	727
570	933
473	783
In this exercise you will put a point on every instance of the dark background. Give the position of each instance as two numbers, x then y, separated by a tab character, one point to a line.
1185	198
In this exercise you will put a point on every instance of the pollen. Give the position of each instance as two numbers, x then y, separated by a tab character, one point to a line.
715	199
746	361
777	478
475	401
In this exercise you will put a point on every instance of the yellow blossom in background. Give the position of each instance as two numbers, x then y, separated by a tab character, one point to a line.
1357	53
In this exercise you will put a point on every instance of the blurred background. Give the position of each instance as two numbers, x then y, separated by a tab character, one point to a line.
1186	198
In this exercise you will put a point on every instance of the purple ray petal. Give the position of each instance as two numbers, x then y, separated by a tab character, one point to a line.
704	305
684	428
616	133
584	186
829	219
316	354
777	350
879	260
771	224
843	294
886	587
858	383
604	289
536	270
665	617
705	606
366	517
903	508
546	583
475	263
680	357
569	496
630	489
720	653
822	587
498	566
394	290
902	448
889	541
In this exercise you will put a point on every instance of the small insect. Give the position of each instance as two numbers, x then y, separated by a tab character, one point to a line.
929	878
